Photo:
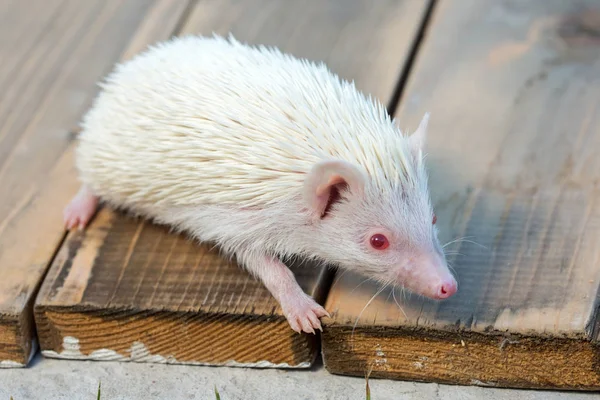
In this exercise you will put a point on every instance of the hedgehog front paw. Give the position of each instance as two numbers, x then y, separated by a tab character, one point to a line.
303	313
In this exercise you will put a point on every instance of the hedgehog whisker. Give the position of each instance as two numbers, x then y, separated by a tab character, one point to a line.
476	244
363	310
451	268
389	295
357	286
398	304
456	240
464	239
451	242
338	277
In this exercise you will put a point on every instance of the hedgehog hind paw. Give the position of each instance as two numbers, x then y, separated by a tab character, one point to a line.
79	211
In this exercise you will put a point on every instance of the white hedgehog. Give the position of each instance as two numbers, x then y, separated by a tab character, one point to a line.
267	156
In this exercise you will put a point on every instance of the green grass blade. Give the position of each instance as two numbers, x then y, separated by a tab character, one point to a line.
367	388
99	383
217	396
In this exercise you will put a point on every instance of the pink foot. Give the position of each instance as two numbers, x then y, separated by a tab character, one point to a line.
302	312
80	210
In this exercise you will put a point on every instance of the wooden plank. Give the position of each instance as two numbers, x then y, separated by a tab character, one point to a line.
128	290
53	53
514	93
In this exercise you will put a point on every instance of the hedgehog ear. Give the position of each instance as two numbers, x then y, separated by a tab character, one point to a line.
324	182
417	139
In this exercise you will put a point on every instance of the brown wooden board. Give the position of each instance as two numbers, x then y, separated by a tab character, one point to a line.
513	89
126	289
51	55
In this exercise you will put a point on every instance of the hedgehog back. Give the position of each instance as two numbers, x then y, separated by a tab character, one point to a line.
200	120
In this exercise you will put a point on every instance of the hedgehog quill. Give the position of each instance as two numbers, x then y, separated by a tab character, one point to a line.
267	156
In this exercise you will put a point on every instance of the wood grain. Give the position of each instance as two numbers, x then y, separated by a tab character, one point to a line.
514	90
368	42
51	58
129	290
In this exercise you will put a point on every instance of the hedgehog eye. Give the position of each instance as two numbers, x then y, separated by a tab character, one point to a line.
379	241
434	219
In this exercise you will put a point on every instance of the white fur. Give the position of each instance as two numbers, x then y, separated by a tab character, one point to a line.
218	138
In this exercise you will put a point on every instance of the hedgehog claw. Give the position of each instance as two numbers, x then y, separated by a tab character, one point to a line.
303	313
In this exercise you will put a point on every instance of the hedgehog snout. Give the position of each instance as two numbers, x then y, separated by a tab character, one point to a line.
429	276
446	288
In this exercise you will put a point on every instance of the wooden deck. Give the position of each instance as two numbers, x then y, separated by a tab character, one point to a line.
514	90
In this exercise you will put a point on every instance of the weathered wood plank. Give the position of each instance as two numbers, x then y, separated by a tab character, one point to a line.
53	53
126	289
514	90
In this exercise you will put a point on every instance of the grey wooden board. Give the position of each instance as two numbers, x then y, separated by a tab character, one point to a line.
52	53
513	89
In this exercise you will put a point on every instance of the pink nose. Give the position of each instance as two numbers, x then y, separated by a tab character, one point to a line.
447	289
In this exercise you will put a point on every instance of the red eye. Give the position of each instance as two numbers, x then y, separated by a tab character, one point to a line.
434	219
379	242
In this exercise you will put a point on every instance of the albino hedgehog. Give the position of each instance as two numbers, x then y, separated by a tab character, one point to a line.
267	156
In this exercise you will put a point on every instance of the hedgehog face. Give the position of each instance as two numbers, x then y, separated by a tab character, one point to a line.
404	241
381	229
392	239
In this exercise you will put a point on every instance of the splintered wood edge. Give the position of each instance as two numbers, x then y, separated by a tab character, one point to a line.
69	328
18	342
189	338
11	345
464	358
